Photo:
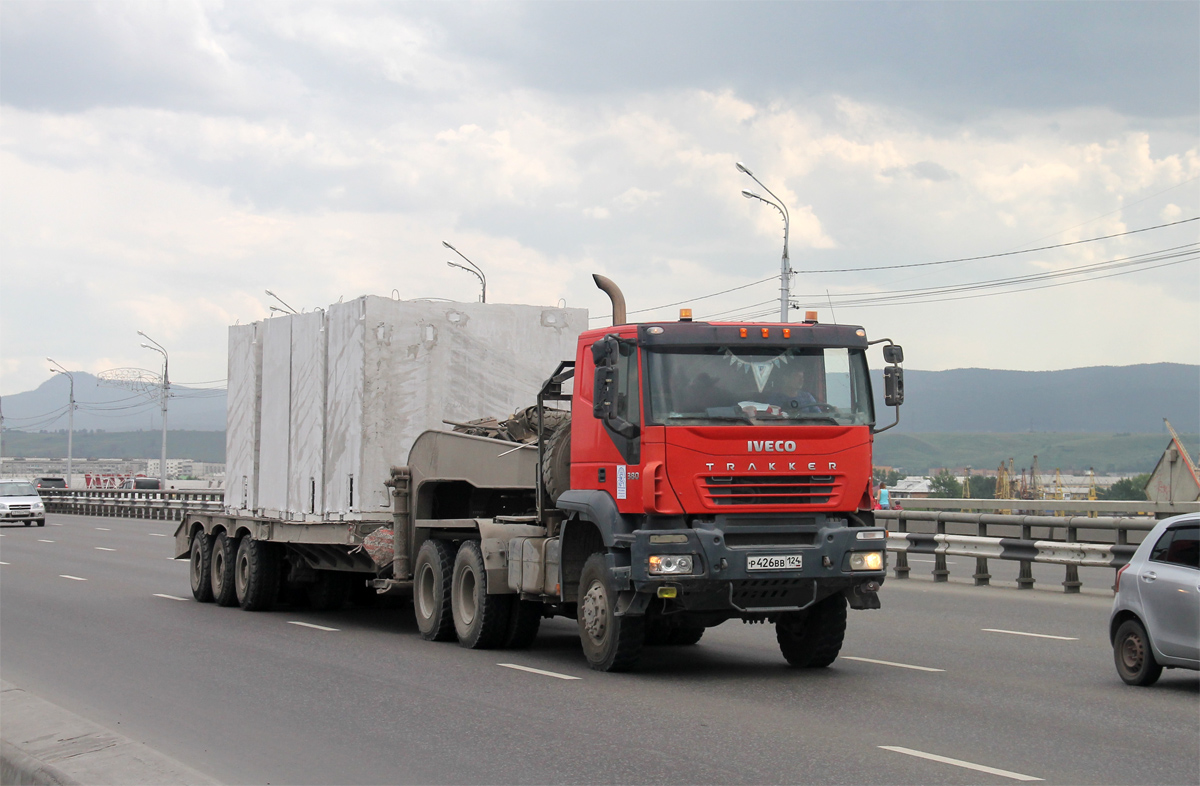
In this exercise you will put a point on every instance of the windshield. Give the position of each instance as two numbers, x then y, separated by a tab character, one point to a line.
22	489
767	386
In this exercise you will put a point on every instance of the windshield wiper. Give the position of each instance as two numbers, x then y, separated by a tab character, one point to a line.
817	419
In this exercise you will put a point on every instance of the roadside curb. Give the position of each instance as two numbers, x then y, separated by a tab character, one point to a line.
42	744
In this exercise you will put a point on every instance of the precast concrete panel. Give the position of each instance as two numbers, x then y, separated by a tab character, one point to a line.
274	442
344	329
242	417
306	474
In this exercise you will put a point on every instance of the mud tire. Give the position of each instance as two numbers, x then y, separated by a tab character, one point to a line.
524	620
610	643
480	620
256	574
432	572
556	461
222	562
200	567
813	638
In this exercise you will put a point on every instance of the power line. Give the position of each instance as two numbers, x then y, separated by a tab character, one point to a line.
694	299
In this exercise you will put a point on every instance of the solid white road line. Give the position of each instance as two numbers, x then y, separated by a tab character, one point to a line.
43	540
1016	776
890	663
538	671
310	625
1035	635
101	548
72	578
168	597
103	529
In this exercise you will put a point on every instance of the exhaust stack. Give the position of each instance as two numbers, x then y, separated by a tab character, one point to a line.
614	294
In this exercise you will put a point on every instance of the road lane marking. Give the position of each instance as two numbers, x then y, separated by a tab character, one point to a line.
101	548
104	529
43	540
1035	635
168	597
72	578
310	625
538	671
158	535
3	563
890	663
53	524
1016	776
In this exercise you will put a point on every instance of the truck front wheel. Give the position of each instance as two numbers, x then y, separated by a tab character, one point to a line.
431	591
480	619
200	569
610	643
256	574
222	567
813	638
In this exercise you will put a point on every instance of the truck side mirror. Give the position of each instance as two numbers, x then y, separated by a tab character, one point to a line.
606	352
893	384
893	353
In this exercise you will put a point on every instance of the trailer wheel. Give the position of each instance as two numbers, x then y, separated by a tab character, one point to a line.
610	643
480	619
556	461
431	590
523	623
813	638
201	568
222	565
256	574
330	591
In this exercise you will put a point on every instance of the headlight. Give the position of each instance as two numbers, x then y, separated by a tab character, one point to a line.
38	506
3	506
866	560
671	564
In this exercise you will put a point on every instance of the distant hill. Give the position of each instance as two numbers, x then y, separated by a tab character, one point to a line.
195	445
1096	400
111	408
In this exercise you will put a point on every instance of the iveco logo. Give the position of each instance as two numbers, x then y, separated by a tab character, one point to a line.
779	446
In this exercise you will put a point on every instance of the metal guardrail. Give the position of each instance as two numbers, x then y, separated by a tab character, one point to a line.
1146	508
1070	552
133	503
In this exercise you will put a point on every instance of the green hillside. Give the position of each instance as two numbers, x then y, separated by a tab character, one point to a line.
195	445
1107	453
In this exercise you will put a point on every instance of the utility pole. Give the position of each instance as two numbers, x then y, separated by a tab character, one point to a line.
166	388
785	265
70	417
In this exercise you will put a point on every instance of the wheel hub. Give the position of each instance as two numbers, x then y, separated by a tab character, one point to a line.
1132	653
595	611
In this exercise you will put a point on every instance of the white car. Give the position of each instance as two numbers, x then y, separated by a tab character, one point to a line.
1155	620
19	501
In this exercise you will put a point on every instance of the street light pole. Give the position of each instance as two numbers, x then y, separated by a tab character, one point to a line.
473	270
70	418
785	267
166	387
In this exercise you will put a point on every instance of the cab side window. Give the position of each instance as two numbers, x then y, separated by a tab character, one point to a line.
627	380
1179	546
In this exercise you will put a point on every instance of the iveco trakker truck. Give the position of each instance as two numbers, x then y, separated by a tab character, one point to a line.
671	477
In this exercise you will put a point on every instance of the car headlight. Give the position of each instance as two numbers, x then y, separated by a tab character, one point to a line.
866	560
38	506
671	564
3	506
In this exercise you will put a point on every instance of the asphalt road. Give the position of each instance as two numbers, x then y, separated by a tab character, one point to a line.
254	698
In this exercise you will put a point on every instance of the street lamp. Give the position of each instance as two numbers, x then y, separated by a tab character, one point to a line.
785	268
166	387
473	270
70	416
290	310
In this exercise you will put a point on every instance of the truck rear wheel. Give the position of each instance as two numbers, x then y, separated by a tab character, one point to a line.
201	568
480	619
813	638
556	461
431	591
523	623
221	570
256	574
330	591
610	643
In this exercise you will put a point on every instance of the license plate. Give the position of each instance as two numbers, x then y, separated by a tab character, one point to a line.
775	562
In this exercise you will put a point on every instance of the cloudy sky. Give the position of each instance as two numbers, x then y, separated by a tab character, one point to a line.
162	164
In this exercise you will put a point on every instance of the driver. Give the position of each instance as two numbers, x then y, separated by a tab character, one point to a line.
789	391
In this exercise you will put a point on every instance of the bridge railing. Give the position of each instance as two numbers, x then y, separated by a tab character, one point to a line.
133	503
1060	542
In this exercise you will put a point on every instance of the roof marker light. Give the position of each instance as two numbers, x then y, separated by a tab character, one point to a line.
787	332
810	316
685	315
766	333
742	332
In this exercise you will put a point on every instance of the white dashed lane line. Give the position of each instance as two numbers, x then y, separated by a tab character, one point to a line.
556	675
1035	635
72	578
890	663
158	535
43	540
1016	776
103	529
3	563
168	597
310	625
101	548
55	524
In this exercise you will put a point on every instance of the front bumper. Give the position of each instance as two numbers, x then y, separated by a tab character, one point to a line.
22	515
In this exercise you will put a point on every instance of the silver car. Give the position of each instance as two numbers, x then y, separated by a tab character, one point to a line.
1155	620
19	501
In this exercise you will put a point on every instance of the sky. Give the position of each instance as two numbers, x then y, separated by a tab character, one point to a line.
163	164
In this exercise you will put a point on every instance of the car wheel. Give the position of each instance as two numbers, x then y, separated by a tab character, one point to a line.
1133	656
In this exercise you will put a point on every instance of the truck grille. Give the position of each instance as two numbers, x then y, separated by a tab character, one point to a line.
768	490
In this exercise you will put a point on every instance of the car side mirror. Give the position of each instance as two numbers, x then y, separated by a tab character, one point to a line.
893	385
